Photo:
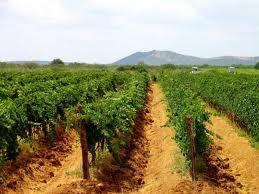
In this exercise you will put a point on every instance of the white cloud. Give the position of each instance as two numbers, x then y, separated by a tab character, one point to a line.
181	9
105	30
3	2
40	10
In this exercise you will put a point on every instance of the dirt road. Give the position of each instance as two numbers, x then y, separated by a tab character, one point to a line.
160	176
243	159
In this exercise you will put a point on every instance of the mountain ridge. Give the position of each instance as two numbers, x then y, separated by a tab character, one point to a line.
156	57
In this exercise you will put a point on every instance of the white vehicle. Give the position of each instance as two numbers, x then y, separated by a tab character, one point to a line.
195	70
232	70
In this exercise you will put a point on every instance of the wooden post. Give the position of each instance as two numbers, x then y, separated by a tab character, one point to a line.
192	147
84	146
84	150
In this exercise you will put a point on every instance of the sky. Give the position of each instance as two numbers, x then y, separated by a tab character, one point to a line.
104	31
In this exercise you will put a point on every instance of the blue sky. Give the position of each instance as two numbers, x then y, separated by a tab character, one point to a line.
106	30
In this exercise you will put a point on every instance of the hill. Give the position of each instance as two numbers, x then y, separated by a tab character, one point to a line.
164	57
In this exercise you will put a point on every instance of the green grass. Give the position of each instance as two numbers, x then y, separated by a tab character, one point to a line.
77	172
219	137
180	165
254	144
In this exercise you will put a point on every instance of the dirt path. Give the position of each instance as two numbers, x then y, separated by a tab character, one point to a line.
67	173
243	160
51	169
159	176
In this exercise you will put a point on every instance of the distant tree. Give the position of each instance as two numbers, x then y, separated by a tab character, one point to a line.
140	67
31	65
205	65
122	68
57	62
75	64
9	65
3	64
257	65
168	66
